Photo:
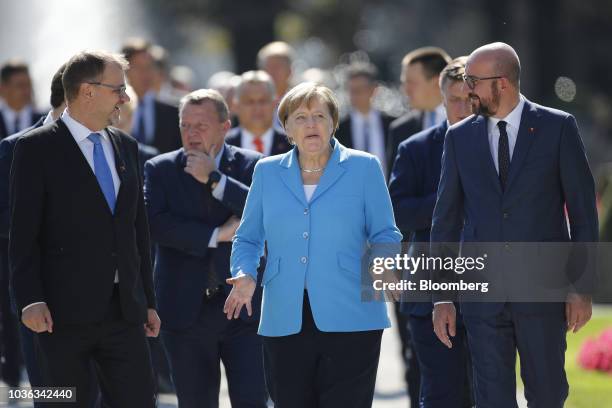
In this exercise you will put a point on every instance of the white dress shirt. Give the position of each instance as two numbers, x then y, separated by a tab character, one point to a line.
246	140
309	190
376	135
24	118
217	193
439	116
513	122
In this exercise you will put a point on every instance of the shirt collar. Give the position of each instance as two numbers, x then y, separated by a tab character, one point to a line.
48	118
79	131
370	116
267	135
513	119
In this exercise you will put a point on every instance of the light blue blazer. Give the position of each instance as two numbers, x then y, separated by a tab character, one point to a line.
315	245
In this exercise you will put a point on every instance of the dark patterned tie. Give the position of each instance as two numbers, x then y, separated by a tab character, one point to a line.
503	154
366	136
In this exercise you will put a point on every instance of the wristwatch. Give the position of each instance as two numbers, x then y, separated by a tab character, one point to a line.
213	179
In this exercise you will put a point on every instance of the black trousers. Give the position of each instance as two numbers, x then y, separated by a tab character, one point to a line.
196	353
119	352
315	369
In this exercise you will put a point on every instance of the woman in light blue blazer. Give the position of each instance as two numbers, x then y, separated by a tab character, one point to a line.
318	207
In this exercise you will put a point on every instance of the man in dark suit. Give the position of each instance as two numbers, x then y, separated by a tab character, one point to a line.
195	198
445	379
16	112
9	323
155	122
420	74
508	174
79	248
254	104
365	128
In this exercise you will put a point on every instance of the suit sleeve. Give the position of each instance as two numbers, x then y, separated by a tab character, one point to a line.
6	157
167	228
26	212
413	211
143	240
248	244
579	194
578	185
447	221
379	220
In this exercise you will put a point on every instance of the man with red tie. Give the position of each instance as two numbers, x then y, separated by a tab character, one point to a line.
254	100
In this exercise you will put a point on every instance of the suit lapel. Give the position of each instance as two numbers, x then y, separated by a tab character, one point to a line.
291	177
524	139
484	152
227	165
3	131
120	164
72	156
333	171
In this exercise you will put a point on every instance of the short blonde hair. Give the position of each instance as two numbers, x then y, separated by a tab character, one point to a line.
305	93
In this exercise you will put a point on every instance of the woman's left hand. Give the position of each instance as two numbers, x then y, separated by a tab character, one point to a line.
240	295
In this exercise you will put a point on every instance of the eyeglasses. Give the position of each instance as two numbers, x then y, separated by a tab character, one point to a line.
119	90
470	80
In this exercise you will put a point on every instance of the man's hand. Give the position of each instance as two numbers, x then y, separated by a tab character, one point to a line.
445	322
228	229
241	295
578	311
153	323
200	164
38	318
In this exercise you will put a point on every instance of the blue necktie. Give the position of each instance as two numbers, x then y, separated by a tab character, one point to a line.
103	172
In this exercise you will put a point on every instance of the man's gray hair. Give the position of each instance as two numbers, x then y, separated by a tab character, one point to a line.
255	77
201	96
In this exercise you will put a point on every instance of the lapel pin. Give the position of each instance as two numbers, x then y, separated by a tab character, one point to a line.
531	130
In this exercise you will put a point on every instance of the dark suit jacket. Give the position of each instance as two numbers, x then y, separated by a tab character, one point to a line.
65	244
183	216
280	144
401	129
548	171
167	133
344	134
412	187
35	117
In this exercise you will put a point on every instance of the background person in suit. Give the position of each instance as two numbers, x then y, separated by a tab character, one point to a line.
195	196
420	76
10	325
16	110
445	379
507	174
316	207
79	243
155	122
420	82
254	105
365	128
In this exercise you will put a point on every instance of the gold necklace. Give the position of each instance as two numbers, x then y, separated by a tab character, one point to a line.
312	170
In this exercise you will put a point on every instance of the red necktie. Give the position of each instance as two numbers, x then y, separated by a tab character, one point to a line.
258	144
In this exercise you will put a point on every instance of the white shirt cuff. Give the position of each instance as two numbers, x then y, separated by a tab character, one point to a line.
220	188
442	302
32	304
212	242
